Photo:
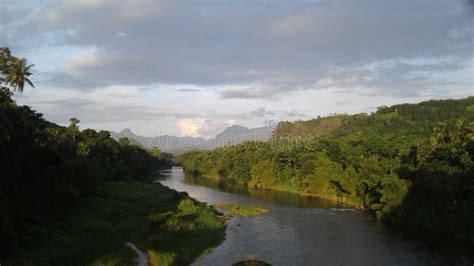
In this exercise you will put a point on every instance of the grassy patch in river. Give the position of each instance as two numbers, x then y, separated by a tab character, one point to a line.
241	209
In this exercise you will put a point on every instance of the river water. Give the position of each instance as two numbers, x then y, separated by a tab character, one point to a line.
306	231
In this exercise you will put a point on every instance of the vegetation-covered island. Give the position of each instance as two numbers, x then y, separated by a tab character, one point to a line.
241	209
75	197
411	164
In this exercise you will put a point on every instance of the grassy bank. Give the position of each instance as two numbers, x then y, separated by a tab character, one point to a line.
173	228
241	209
345	200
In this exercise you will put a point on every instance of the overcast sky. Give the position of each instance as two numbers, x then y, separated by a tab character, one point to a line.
194	67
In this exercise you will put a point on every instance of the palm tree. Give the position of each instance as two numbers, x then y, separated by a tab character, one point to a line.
440	135
17	74
461	130
74	128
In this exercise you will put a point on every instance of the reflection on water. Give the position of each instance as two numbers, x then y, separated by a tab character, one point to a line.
215	184
277	197
305	231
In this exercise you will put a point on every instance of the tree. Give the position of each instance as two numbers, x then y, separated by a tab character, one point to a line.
441	135
5	123
74	128
5	57
462	130
18	73
124	141
15	71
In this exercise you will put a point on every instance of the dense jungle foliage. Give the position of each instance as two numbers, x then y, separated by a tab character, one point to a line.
409	163
72	197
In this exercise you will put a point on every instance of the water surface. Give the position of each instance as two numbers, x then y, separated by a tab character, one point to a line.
306	231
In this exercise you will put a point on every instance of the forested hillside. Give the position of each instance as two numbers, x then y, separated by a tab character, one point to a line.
400	125
409	163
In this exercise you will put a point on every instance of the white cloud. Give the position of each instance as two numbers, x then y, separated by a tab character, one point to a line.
201	127
76	64
190	126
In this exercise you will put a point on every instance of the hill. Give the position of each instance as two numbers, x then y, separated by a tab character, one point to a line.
402	123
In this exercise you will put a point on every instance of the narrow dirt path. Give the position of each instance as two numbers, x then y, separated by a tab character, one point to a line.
142	257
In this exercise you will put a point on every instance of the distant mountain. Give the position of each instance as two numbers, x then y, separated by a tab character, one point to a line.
127	133
237	134
234	130
166	143
229	136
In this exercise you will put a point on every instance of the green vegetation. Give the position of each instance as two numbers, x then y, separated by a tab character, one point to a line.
241	209
173	228
72	197
409	163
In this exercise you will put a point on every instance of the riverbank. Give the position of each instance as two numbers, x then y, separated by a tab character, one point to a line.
170	226
348	202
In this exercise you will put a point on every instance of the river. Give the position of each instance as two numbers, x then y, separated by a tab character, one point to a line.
306	231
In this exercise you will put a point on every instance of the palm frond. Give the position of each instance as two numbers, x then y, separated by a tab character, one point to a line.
29	82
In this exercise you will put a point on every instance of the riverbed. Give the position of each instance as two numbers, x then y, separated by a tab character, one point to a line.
302	230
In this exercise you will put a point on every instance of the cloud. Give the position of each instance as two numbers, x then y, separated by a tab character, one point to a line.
254	91
241	93
201	127
190	126
282	47
295	113
105	105
211	127
269	115
188	90
294	25
261	112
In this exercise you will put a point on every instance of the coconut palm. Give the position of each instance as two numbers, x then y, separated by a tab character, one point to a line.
441	134
464	130
17	73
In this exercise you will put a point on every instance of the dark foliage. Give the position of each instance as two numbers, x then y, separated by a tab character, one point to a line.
46	170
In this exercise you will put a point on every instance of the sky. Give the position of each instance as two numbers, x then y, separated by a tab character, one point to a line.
192	68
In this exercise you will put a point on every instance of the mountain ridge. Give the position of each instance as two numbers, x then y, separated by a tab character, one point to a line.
231	135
